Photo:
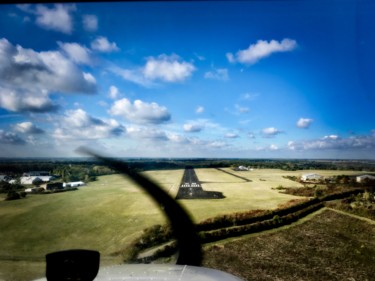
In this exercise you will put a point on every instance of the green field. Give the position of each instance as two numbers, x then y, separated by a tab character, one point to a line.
109	213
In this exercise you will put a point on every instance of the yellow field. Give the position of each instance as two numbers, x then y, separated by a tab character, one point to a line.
108	214
239	194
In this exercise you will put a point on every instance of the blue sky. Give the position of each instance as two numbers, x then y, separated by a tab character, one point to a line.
275	79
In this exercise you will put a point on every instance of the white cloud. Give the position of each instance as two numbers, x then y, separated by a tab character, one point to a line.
59	18
78	53
273	147
251	135
231	135
260	50
304	123
217	144
27	128
113	92
270	132
90	23
164	68
193	128
28	77
147	133
167	68
331	137
101	44
78	124
198	125
140	112
132	75
199	57
334	142
21	100
231	58
199	109
217	74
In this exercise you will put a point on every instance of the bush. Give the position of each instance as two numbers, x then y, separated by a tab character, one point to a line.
13	195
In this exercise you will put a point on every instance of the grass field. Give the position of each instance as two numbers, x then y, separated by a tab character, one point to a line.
108	214
330	246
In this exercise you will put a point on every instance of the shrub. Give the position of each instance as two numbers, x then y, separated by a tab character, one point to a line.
13	195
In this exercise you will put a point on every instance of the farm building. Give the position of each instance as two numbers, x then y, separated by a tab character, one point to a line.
73	184
30	190
311	177
34	179
364	178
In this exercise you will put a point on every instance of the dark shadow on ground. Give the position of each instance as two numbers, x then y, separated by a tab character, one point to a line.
198	194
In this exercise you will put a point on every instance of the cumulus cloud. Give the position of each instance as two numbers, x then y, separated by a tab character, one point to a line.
58	18
270	132
261	49
193	127
217	74
334	142
10	138
25	101
101	44
78	124
140	112
28	77
90	23
27	128
167	68
304	123
78	53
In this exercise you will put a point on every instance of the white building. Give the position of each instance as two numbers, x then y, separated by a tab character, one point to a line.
31	179
73	184
364	178
311	177
243	168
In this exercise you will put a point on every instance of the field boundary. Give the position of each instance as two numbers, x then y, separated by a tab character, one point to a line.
215	235
229	226
370	221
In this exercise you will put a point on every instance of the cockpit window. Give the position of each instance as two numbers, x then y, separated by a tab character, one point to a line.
255	116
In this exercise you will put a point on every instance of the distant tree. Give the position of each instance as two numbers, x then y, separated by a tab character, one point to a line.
37	182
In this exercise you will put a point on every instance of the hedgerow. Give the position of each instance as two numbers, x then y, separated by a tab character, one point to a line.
232	225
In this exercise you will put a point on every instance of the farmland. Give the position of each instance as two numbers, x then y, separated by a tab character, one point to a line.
109	213
327	246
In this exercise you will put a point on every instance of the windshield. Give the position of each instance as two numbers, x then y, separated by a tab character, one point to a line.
234	108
